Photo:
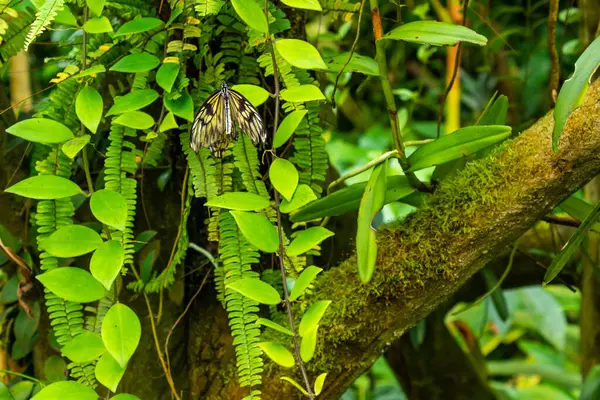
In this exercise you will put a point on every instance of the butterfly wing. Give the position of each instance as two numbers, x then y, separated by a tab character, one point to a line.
247	117
210	125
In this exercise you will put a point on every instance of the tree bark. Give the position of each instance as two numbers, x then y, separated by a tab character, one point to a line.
473	216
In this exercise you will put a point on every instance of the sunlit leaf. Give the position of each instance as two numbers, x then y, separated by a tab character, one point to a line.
243	201
73	284
74	146
256	95
287	127
302	196
258	230
303	281
284	177
121	332
109	372
96	6
88	107
358	63
305	4
182	107
135	120
256	290
45	187
139	62
295	384
41	130
252	14
107	261
307	239
312	316
302	93
84	347
319	382
166	75
300	54
273	325
98	25
278	353
139	25
308	344
435	33
371	203
66	390
71	241
110	208
133	101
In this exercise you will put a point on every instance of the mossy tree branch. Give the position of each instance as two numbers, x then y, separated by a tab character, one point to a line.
472	218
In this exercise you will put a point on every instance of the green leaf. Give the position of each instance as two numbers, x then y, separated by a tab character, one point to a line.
96	6
166	75
302	93
168	122
98	25
256	95
305	4
295	384
273	325
312	316
252	14
243	201
139	25
94	69
256	290
348	199
107	261
579	209
278	353
358	63
308	344
458	144
182	107
55	369
74	146
258	230
110	208
66	390
139	62
284	177
71	241
72	284
572	92
41	130
109	373
125	396
45	187
88	107
133	101
135	120
307	239
319	382
303	282
591	385
20	390
84	348
562	258
300	54
495	112
288	127
371	203
435	33
302	196
121	332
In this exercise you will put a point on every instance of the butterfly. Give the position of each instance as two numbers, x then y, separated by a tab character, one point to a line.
215	125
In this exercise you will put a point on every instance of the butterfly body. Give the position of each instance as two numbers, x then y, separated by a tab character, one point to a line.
215	126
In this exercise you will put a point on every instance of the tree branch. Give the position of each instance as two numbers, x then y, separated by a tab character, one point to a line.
472	217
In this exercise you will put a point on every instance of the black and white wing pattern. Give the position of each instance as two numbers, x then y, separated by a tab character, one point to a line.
215	125
248	118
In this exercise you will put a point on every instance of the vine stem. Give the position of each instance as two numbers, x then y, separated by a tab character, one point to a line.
286	295
86	163
390	99
555	65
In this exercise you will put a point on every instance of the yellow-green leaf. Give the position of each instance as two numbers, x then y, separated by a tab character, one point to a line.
135	120
252	14
45	187
258	230
166	75
83	348
74	146
304	280
319	383
41	130
88	107
300	54
278	353
312	316
243	201
107	261
72	284
139	62
284	177
302	93
98	25
435	33
302	196
121	332
288	127
139	25
308	344
133	101
305	4
109	373
307	239
110	208
66	390
256	290
71	241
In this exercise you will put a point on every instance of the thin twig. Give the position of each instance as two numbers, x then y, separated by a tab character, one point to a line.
554	60
18	166
173	250
189	304
454	73
356	38
286	295
86	164
565	221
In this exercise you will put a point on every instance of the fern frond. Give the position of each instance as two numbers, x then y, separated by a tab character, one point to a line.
202	169
237	257
130	8
343	9
60	105
12	38
43	19
95	316
246	161
154	152
205	8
